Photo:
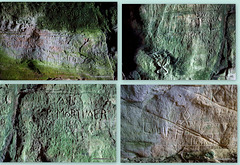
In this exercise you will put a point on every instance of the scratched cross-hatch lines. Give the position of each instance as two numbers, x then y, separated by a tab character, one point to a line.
185	123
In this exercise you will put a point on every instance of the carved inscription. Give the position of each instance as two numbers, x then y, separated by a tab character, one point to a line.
55	119
183	119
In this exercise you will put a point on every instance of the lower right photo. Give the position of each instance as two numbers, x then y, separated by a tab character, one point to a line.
178	123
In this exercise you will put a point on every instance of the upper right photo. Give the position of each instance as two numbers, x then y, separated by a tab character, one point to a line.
179	42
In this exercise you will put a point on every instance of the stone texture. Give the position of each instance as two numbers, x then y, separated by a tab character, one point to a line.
58	123
83	54
24	40
179	123
179	42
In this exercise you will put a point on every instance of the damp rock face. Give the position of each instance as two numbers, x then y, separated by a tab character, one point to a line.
179	123
50	36
179	42
58	123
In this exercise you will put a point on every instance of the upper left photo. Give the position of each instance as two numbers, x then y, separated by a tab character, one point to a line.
58	41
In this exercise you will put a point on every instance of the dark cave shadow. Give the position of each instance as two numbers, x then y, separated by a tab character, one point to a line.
7	157
112	34
132	37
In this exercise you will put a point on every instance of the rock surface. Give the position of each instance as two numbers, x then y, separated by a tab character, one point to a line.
26	41
58	123
179	123
84	52
179	42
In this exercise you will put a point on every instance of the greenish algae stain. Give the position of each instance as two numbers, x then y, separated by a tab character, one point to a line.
200	40
67	125
91	20
15	69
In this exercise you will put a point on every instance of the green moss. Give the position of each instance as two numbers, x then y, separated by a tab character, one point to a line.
14	69
198	46
202	74
65	138
95	68
64	16
43	133
146	65
88	19
210	154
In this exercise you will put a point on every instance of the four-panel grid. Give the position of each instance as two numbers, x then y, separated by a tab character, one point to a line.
160	123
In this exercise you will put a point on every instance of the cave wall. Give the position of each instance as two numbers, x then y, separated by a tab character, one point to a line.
184	42
24	40
58	123
81	40
178	123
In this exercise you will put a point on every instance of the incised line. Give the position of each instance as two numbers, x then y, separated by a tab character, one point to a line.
189	130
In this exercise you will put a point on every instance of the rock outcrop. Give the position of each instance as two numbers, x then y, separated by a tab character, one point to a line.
58	123
85	51
179	123
24	40
179	42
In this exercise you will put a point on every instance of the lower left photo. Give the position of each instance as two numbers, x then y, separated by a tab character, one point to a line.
57	123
